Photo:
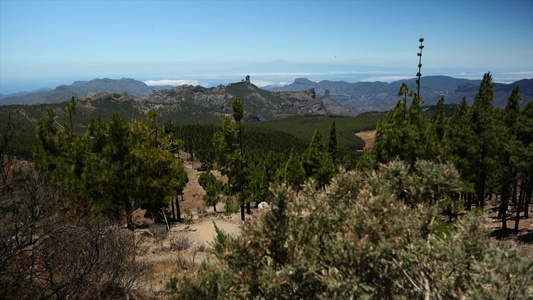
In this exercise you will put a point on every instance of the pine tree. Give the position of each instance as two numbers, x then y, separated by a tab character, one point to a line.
403	133
229	152
461	136
258	182
332	142
317	161
508	169
113	167
524	159
414	145
212	187
238	113
392	133
483	122
294	171
437	133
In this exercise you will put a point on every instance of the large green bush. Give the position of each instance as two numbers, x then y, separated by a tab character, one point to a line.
366	236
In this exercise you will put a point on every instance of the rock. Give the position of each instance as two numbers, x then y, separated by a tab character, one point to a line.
263	205
313	93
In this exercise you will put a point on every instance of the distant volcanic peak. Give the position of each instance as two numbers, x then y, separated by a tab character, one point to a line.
303	81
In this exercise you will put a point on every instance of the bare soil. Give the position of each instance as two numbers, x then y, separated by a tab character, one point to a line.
157	247
523	240
368	137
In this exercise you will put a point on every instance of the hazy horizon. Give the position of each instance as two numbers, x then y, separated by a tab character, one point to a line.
50	43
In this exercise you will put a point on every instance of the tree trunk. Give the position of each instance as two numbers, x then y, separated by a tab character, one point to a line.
528	192
517	217
518	208
481	194
515	189
242	167
468	201
480	184
129	218
178	208
172	207
248	208
215	207
504	204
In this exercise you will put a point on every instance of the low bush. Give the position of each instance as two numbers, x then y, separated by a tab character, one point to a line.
45	253
376	236
179	241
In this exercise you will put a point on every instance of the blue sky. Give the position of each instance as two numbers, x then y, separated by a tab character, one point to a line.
48	43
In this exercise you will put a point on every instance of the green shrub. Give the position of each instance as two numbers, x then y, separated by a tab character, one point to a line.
365	236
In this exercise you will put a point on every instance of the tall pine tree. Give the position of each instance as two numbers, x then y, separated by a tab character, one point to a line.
317	161
294	171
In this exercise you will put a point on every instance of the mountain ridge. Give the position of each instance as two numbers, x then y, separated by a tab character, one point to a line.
81	88
327	97
260	104
381	96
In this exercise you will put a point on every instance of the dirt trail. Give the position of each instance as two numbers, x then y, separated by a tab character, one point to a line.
368	137
157	246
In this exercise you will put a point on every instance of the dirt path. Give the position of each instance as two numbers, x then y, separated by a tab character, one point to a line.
205	231
368	137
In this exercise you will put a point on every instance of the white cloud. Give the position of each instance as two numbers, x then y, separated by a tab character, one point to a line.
519	73
173	82
262	83
386	78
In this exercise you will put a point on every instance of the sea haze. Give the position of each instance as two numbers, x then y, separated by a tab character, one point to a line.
274	73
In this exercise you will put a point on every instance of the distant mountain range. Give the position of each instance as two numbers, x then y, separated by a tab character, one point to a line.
185	103
260	105
80	88
302	97
380	96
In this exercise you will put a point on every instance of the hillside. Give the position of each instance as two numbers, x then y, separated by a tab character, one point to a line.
260	105
304	127
180	105
81	88
381	96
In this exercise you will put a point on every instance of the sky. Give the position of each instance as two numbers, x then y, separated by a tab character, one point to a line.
49	43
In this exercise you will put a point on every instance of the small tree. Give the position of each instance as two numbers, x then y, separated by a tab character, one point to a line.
212	187
332	142
317	161
437	133
294	171
238	113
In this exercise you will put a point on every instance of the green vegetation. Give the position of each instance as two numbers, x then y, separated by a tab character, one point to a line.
483	142
26	117
379	232
214	189
362	238
317	161
396	222
304	127
113	167
241	90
